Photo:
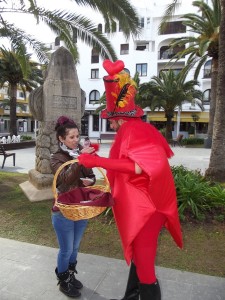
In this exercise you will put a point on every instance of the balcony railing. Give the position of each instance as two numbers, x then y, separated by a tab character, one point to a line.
166	54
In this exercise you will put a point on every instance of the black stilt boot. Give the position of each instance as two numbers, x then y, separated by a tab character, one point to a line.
150	291
72	269
132	289
65	285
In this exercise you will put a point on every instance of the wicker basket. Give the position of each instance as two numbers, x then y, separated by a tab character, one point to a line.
79	212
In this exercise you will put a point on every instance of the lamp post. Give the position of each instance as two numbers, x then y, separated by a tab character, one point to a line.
178	121
195	119
1	122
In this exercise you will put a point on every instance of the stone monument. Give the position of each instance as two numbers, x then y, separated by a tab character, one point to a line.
60	95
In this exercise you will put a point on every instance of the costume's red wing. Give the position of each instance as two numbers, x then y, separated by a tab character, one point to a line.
138	196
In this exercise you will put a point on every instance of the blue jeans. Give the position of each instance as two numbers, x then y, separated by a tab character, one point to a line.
69	234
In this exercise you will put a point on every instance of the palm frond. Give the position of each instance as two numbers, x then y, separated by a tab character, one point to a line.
169	12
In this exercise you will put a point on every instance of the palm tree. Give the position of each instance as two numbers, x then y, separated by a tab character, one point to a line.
204	44
216	170
168	91
69	25
16	70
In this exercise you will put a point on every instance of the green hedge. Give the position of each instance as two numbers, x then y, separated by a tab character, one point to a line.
26	137
193	141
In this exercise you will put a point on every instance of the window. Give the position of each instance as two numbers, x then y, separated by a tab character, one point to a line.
148	22
141	69
124	49
95	122
108	127
175	71
94	73
84	125
21	95
94	56
57	41
174	27
94	96
127	71
142	22
120	28
167	53
207	96
107	29
142	47
100	28
207	69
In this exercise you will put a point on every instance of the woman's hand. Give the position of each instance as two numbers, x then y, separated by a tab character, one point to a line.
88	150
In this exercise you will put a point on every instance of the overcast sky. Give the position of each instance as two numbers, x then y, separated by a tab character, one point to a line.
40	31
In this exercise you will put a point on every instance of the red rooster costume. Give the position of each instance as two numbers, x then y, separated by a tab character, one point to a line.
143	202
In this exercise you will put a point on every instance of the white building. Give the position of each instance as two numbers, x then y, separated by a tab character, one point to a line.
148	54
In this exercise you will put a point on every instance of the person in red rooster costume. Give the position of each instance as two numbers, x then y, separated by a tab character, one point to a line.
141	183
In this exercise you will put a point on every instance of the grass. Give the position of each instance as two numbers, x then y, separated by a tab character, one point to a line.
22	220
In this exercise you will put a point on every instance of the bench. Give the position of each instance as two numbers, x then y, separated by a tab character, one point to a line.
106	136
7	154
177	141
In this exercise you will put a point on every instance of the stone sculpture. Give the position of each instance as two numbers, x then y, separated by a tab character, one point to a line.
60	95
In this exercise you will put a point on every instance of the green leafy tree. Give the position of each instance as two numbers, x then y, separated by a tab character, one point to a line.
204	44
169	91
18	71
69	26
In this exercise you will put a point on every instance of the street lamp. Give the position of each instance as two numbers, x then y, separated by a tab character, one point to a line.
195	119
1	122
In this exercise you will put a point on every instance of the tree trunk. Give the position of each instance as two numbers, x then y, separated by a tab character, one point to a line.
216	170
214	75
13	119
168	133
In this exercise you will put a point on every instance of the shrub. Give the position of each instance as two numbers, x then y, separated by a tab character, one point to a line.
192	141
197	196
26	138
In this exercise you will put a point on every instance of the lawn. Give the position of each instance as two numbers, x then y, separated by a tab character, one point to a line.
204	242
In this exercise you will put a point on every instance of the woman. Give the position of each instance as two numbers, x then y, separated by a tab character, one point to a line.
69	233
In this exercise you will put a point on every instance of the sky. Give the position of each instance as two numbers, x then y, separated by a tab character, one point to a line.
41	32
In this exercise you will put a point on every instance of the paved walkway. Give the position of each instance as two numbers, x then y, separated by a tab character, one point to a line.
27	270
192	158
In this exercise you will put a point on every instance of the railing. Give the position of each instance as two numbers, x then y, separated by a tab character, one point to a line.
9	139
166	54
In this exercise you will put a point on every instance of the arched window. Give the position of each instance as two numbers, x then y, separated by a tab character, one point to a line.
127	71
100	28
207	96
57	41
94	56
207	69
94	96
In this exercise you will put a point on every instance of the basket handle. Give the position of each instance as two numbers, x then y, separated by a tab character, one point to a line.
66	164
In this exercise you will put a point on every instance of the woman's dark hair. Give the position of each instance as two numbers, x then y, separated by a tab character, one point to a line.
62	125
